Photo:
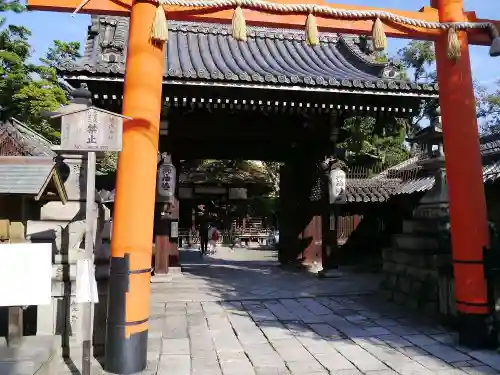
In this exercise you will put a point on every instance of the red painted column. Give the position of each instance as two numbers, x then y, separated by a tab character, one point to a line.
313	237
468	214
131	245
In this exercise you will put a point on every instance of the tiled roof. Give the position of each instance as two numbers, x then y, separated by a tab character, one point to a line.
207	52
490	144
491	173
369	190
18	139
25	175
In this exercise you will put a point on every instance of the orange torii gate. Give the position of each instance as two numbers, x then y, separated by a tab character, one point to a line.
444	22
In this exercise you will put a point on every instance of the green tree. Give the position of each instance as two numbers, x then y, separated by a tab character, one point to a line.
419	58
60	52
373	144
107	163
10	6
488	108
27	88
376	144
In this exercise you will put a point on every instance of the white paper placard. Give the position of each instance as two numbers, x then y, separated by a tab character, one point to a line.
174	229
86	285
337	186
25	274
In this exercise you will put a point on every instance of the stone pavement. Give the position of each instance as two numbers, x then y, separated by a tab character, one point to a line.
224	316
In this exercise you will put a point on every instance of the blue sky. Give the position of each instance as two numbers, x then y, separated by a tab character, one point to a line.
47	26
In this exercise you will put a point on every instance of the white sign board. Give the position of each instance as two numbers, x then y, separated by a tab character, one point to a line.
86	285
25	274
91	130
174	229
337	186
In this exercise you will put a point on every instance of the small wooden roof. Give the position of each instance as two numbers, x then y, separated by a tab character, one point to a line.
27	175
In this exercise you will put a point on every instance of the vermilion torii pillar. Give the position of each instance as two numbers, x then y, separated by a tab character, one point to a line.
464	173
126	346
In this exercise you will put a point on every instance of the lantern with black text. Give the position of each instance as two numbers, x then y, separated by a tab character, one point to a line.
166	180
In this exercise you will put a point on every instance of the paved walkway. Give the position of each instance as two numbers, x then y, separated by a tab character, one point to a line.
229	316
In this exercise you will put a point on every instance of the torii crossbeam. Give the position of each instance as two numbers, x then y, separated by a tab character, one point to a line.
444	22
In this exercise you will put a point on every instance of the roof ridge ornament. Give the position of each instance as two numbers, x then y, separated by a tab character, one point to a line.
379	16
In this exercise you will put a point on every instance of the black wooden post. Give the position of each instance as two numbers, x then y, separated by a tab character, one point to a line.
329	244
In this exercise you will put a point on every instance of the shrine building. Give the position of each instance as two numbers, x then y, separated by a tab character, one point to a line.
271	98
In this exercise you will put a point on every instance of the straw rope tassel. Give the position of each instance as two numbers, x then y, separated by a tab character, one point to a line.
239	25
312	36
159	29
378	35
495	43
453	47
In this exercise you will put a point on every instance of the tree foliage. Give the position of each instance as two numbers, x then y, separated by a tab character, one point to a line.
27	88
419	58
60	52
372	143
377	143
10	6
488	108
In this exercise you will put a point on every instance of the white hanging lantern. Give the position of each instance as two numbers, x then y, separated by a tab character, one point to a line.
166	180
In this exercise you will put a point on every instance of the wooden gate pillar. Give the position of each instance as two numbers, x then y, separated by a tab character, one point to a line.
173	254
287	214
329	239
469	229
162	246
310	212
129	294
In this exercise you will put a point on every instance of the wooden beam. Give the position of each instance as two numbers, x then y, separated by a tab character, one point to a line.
257	18
15	330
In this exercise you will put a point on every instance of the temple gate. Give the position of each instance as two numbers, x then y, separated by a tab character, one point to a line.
307	142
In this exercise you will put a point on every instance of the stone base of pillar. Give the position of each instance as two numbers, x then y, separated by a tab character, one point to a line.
159	279
330	274
166	277
477	331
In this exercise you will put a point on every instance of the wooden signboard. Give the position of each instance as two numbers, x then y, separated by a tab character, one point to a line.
91	129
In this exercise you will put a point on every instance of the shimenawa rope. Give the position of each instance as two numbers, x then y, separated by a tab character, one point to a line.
159	30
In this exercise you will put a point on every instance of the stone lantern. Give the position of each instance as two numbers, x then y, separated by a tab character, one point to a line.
434	204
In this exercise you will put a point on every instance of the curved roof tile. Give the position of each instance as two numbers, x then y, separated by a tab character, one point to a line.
207	52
